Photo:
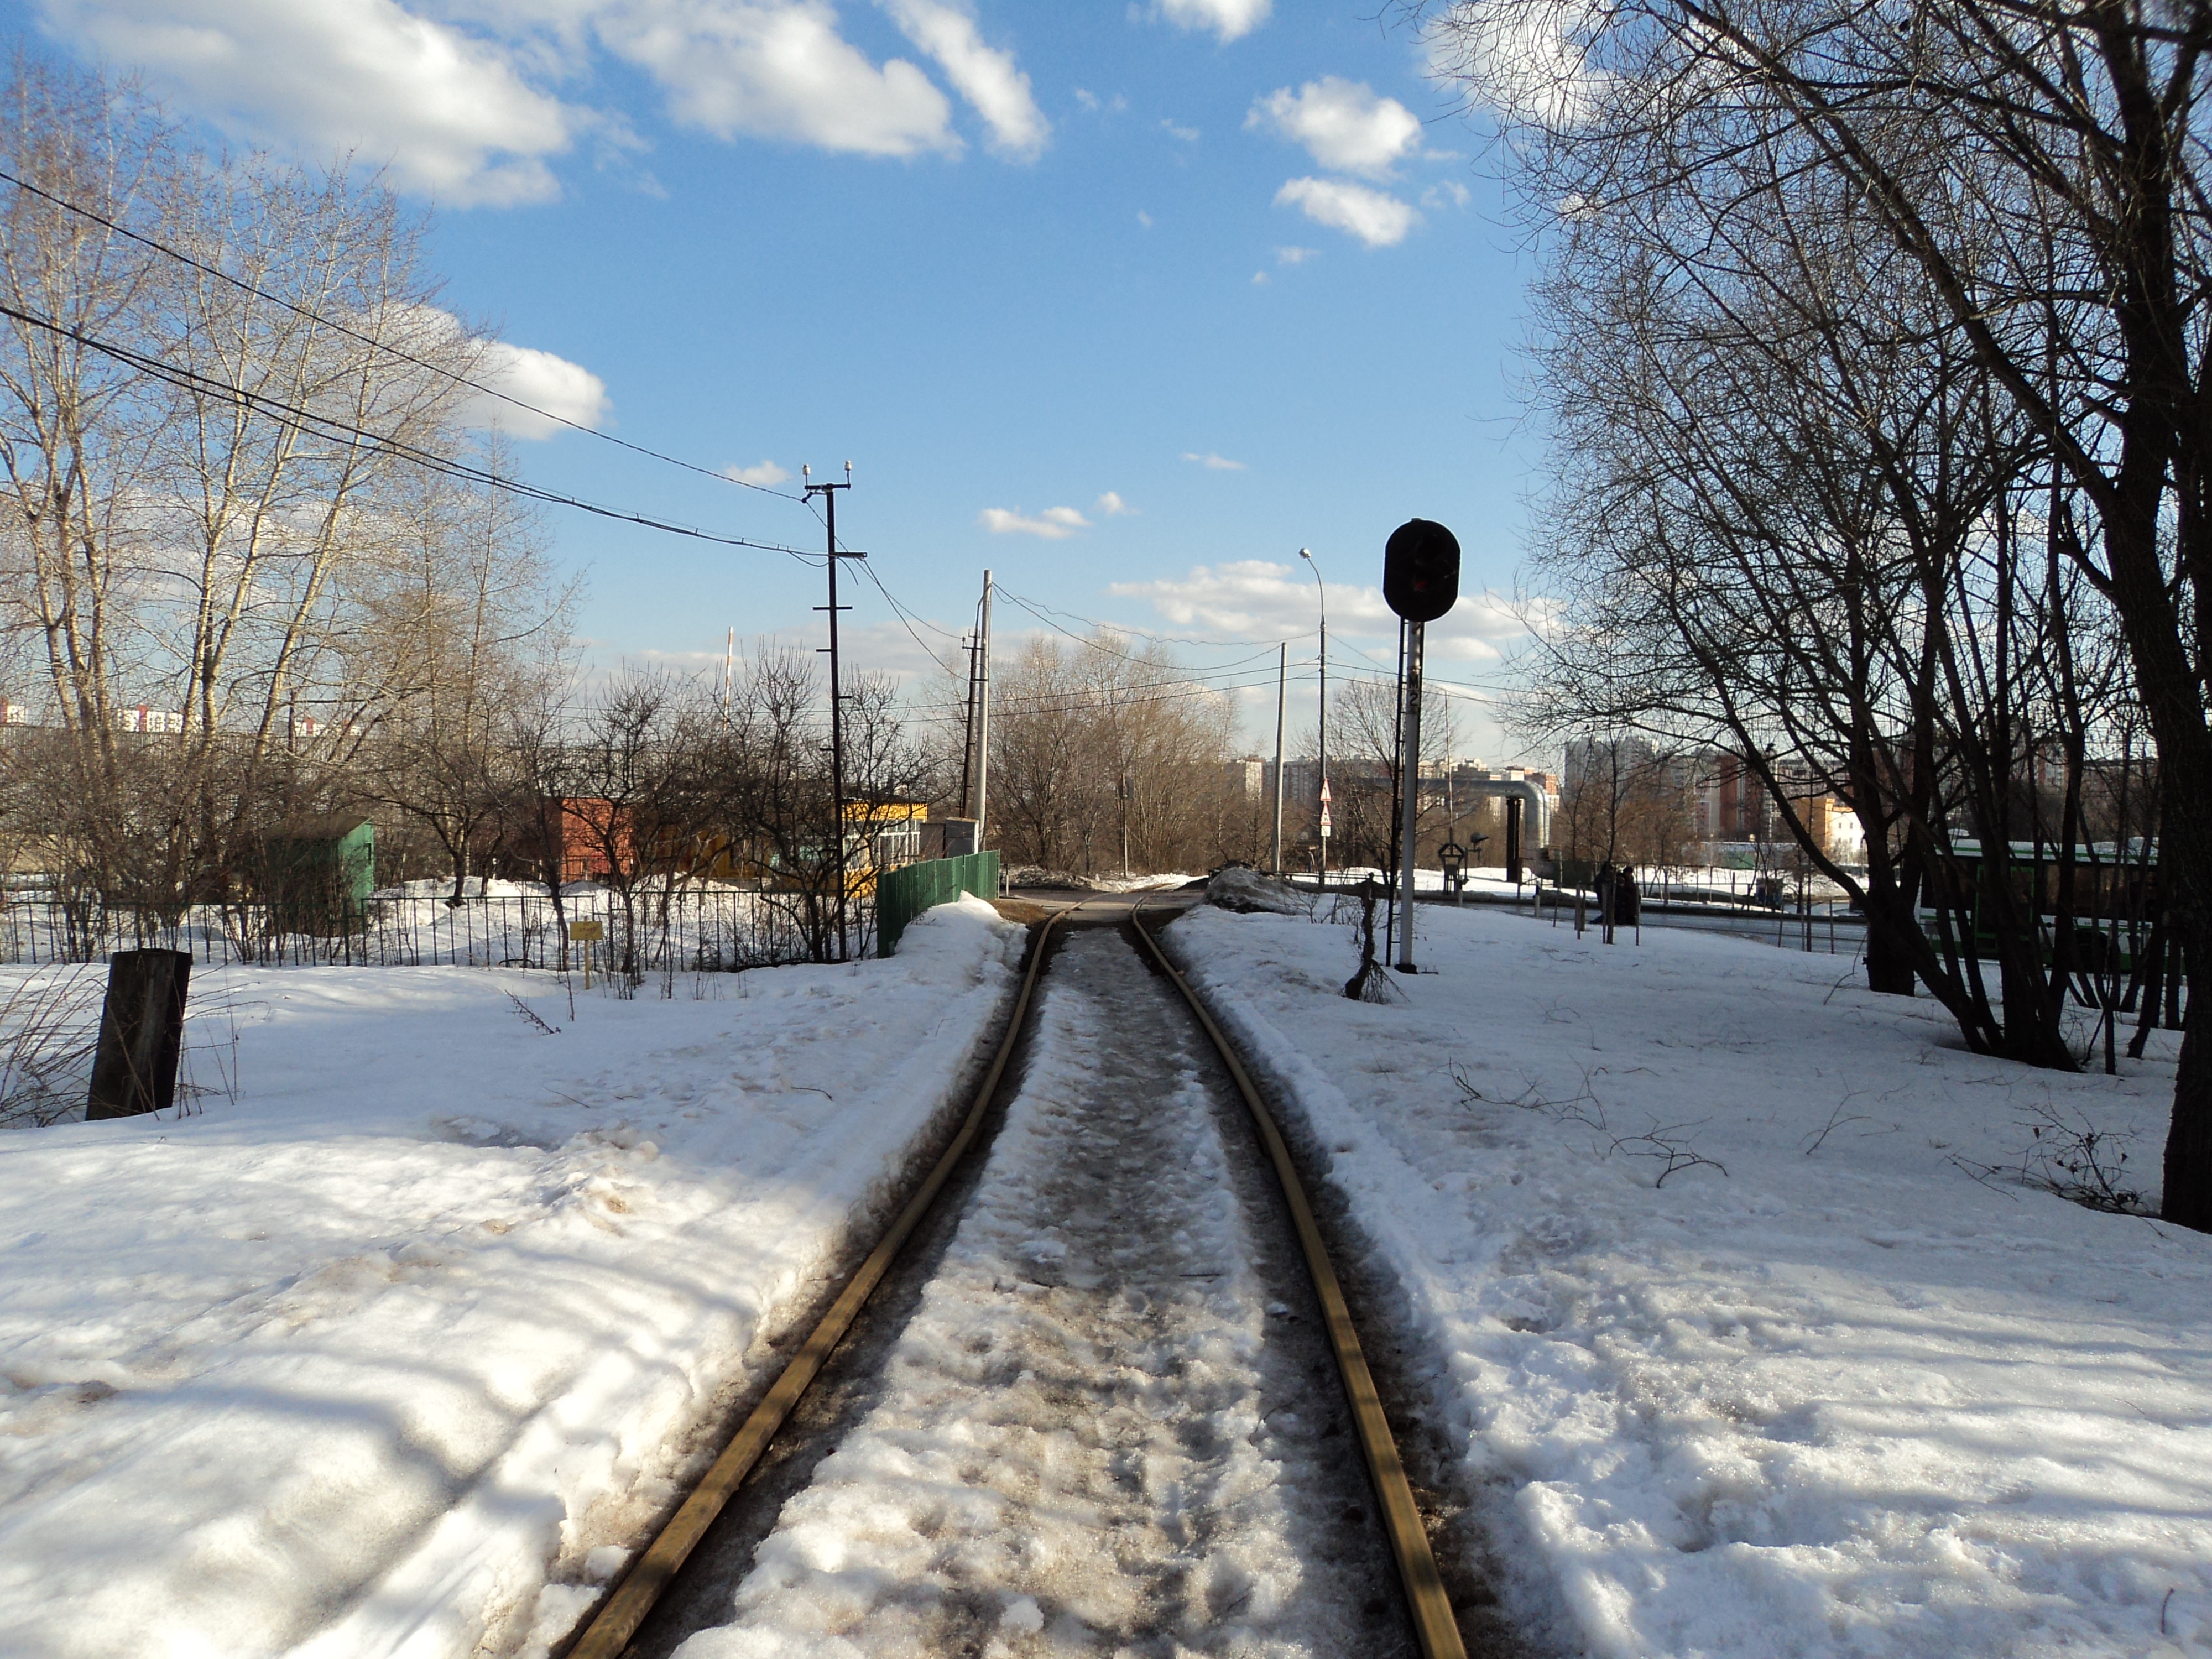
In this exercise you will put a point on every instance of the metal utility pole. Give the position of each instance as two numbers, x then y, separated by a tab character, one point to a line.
1322	792
968	733
1282	691
828	492
983	720
1409	765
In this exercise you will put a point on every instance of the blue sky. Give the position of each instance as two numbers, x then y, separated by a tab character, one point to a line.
1127	302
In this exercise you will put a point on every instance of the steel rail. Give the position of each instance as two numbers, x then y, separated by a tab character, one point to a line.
1434	1626
619	1618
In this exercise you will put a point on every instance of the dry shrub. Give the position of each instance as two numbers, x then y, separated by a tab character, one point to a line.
49	1029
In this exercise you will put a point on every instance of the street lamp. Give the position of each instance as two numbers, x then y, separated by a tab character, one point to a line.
1314	565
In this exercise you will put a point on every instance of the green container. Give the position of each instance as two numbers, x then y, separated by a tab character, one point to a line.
904	893
317	876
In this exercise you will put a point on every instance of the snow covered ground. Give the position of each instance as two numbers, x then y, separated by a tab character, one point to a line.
1839	1390
387	1354
1090	1439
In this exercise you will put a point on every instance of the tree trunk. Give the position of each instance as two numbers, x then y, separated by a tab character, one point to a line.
2189	1142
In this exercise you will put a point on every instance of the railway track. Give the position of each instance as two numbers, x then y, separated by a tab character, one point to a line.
1106	1390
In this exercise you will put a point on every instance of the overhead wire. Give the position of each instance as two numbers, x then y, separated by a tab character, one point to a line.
458	378
1033	606
192	380
900	611
1094	643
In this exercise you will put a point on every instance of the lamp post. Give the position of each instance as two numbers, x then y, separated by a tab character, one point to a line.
1312	564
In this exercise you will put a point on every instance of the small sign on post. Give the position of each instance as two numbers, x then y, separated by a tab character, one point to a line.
142	1033
586	933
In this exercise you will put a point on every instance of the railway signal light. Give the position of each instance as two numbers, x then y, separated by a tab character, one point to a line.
1420	570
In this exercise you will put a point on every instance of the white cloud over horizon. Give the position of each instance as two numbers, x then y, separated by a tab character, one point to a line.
1343	125
1375	216
1261	598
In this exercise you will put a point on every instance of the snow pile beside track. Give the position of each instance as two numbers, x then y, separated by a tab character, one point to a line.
387	1357
1846	1398
1238	889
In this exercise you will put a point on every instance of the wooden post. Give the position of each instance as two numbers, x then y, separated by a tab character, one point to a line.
141	1032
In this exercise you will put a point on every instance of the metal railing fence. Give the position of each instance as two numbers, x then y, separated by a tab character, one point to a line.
689	930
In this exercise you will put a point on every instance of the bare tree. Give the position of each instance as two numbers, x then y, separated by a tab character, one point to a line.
469	630
2043	169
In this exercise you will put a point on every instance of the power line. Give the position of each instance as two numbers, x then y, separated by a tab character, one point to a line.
1080	703
317	318
191	380
1093	642
1381	670
907	622
1035	606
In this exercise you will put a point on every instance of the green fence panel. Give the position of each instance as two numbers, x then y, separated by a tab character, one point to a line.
904	893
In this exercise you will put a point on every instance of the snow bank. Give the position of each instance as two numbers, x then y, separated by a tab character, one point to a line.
1239	889
386	1356
1846	1397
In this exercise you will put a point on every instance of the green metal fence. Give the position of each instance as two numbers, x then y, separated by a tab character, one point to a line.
904	893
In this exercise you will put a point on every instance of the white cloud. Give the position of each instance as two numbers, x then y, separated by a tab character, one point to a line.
1375	217
1228	18
984	76
1344	125
1111	506
1213	463
1261	279
767	475
1260	598
1143	219
779	69
1296	256
457	100
541	380
1189	135
1054	524
1091	101
1450	191
453	115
